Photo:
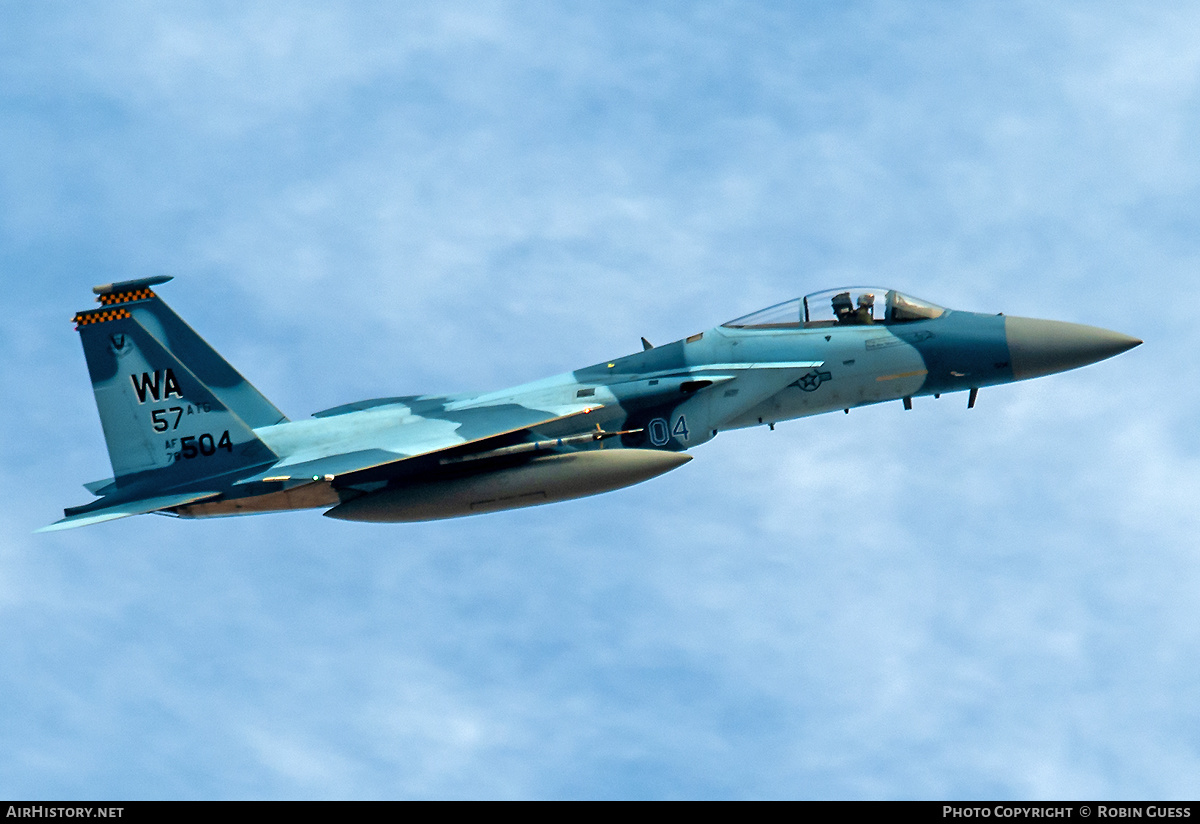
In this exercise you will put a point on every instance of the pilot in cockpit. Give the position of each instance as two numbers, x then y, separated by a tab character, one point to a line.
866	309
844	311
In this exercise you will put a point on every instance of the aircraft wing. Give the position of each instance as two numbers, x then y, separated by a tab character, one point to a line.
417	442
422	441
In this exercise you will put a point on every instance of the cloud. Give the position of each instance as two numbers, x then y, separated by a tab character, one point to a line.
370	201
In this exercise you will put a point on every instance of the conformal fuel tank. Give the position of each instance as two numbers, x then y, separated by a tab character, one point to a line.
541	481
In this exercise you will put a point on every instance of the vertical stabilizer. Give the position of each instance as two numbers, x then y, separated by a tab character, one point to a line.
164	424
153	314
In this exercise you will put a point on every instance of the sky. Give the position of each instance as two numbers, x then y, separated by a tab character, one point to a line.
364	200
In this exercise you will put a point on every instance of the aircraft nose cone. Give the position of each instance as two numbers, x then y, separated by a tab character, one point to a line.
1042	347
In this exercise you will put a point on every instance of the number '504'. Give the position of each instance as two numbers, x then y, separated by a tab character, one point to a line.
192	446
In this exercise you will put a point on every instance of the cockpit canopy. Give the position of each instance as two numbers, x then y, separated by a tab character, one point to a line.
848	306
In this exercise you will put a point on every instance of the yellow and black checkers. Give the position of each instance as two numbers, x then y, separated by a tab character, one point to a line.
99	316
126	297
113	299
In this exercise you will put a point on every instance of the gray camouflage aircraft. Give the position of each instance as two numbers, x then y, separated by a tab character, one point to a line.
189	436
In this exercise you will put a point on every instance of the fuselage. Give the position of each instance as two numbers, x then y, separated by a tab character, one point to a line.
679	395
188	435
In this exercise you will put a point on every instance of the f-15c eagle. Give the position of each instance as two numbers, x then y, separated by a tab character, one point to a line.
189	436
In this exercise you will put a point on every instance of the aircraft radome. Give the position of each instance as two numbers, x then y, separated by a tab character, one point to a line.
189	436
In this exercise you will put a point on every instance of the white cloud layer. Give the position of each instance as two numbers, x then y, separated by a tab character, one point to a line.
375	200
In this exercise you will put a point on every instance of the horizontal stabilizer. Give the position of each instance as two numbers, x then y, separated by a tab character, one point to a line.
98	487
124	510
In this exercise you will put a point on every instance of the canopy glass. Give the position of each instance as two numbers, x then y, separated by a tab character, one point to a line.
848	306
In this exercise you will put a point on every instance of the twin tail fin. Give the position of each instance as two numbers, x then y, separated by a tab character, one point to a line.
177	417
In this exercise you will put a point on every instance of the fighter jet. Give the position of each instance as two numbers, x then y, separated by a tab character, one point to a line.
188	435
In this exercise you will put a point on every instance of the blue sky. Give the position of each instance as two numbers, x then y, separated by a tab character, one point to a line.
362	200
